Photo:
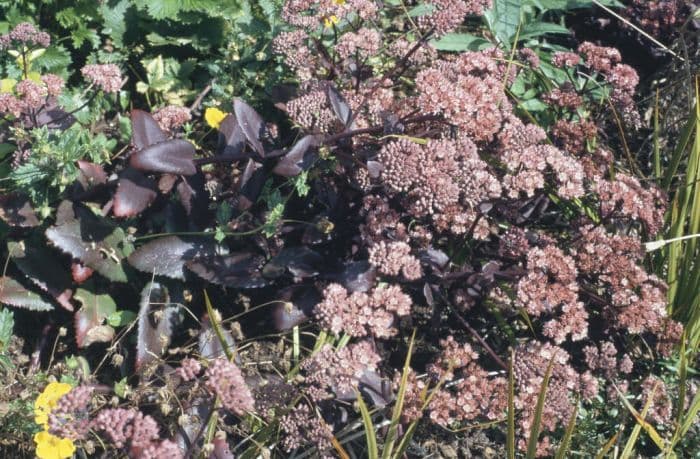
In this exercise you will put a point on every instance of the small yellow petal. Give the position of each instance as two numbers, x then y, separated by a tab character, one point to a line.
214	117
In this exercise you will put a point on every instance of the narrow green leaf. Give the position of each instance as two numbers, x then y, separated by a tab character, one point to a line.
398	407
564	447
370	433
217	327
539	408
510	441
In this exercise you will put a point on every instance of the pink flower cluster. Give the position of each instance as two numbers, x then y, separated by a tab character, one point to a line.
25	34
106	77
225	380
447	15
362	314
330	372
172	117
70	417
140	432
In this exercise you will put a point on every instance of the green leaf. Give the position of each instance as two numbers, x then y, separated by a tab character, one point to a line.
503	19
121	318
539	408
7	323
460	42
114	22
537	29
170	9
90	317
370	434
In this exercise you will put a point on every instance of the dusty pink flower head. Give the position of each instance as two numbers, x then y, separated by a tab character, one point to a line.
116	423
599	58
395	258
106	77
362	44
447	15
172	117
189	368
54	84
70	417
225	380
565	59
301	427
32	94
10	104
25	34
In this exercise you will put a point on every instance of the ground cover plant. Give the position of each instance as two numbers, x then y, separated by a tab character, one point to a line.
349	228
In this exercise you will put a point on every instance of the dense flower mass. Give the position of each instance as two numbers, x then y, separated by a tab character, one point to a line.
25	34
106	77
225	380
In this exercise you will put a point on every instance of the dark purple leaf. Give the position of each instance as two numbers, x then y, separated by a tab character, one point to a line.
135	192
193	196
145	130
378	389
43	269
298	307
296	160
14	294
166	256
231	139
357	276
240	270
435	258
174	156
16	210
251	184
91	174
55	118
93	241
157	320
89	319
251	123
300	262
166	183
340	106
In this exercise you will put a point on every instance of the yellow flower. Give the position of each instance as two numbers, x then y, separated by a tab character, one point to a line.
339	2
47	400
52	447
329	21
214	117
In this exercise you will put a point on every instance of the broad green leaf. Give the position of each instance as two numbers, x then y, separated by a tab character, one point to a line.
90	317
541	28
114	21
460	42
503	19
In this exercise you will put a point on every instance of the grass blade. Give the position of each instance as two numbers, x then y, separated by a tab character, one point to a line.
564	447
608	446
539	408
398	407
370	433
213	318
634	436
510	441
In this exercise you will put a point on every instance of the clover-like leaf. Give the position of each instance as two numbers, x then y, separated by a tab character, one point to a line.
95	242
145	130
135	192
14	294
175	156
89	319
167	256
